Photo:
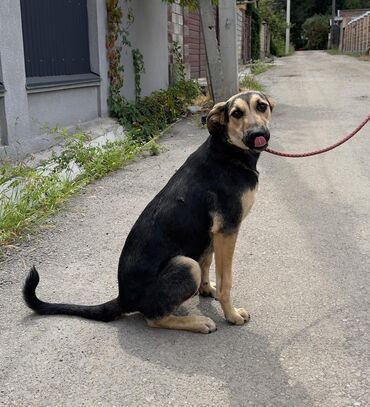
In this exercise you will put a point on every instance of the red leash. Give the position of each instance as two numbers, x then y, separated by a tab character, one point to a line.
323	150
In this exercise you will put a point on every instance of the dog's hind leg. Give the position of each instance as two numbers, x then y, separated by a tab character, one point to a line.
178	281
194	323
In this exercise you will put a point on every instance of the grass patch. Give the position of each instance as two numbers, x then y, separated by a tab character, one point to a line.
336	51
39	198
152	114
259	67
249	82
30	195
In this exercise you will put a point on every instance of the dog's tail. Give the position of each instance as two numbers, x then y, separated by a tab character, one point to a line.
104	312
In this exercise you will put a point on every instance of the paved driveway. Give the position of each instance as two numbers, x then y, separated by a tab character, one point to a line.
302	268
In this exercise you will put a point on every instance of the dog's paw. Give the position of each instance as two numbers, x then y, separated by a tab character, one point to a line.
204	325
239	317
208	289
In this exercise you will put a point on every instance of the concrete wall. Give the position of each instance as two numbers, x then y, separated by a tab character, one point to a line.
13	72
148	33
264	40
25	113
64	107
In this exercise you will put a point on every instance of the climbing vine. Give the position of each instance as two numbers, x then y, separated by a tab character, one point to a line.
148	116
178	63
138	61
117	38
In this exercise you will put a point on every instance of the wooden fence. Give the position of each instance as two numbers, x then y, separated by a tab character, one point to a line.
356	35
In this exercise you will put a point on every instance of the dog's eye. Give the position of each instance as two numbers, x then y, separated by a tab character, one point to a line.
237	114
261	107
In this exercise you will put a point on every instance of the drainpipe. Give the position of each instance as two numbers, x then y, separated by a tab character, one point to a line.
287	32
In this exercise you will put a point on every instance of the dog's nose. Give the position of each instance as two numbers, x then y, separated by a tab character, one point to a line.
258	138
260	132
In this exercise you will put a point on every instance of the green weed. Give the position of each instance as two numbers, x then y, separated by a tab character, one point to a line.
249	82
31	195
259	67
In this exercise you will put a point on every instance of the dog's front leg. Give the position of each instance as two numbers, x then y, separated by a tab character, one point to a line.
224	245
207	288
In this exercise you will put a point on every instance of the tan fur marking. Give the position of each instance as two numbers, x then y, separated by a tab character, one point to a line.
193	265
224	246
235	128
217	223
207	288
240	104
261	118
247	201
186	323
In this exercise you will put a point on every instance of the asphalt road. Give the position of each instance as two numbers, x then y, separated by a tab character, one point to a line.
301	268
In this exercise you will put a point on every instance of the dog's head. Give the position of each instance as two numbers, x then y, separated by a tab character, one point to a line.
243	120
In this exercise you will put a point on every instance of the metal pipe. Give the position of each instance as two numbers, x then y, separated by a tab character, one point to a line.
287	32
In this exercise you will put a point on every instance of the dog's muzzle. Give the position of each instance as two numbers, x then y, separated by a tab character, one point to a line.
257	139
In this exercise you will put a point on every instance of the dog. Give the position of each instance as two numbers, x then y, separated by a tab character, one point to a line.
167	255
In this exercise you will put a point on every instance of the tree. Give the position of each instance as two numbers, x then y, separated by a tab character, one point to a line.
302	9
273	14
316	29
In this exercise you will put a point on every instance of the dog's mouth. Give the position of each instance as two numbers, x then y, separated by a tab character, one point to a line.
257	139
260	142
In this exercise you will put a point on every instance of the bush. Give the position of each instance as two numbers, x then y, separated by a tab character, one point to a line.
152	114
316	30
277	47
255	31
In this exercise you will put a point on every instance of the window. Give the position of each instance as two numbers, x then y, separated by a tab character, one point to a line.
56	42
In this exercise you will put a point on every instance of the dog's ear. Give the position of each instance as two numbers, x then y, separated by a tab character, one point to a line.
271	102
216	119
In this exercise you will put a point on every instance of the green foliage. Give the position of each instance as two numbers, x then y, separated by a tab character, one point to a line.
351	4
259	67
138	61
40	196
336	51
272	13
95	161
178	63
255	31
146	119
30	195
277	47
303	9
274	17
316	29
116	39
250	83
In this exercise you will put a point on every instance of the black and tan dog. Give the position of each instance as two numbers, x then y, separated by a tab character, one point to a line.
168	253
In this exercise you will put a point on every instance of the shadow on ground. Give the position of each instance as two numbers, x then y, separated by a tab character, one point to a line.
242	360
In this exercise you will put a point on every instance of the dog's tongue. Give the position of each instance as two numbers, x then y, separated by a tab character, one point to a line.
259	141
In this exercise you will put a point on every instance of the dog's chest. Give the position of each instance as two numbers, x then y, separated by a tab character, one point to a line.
247	201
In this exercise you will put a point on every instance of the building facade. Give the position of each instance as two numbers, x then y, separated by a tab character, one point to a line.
54	68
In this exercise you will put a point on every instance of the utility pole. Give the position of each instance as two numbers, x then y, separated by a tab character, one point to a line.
287	32
229	57
333	7
215	72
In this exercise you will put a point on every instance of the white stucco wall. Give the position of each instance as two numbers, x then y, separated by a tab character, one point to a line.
148	33
22	113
